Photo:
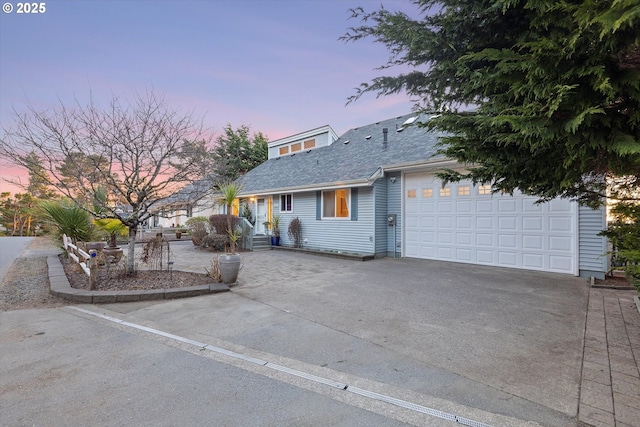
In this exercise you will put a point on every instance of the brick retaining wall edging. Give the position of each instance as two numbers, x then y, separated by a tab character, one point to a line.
59	286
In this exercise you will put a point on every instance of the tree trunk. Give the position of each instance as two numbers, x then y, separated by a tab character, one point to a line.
131	267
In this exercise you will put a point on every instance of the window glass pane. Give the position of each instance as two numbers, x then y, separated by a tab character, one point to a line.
284	150
342	202
463	191
411	194
311	143
484	189
286	203
445	192
296	147
329	204
427	192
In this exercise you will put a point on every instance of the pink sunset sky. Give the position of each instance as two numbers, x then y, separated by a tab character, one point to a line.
274	65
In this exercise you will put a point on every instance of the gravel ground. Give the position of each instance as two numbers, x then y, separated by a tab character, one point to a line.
26	284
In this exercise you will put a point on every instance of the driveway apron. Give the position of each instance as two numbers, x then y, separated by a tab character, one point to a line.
505	341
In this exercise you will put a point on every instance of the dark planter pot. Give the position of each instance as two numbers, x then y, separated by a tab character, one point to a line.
98	246
275	240
229	268
178	235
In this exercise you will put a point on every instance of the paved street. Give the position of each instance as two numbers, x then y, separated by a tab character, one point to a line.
413	342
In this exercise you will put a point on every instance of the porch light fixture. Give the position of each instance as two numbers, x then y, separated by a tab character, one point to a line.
392	179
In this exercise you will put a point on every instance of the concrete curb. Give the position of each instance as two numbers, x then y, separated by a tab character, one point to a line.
59	286
637	301
354	257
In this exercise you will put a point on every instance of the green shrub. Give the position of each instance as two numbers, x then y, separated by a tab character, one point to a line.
68	219
624	235
218	223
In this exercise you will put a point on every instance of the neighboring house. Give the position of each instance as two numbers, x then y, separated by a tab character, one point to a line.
195	199
373	190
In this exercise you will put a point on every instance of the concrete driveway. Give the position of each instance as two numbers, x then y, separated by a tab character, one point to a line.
501	340
498	346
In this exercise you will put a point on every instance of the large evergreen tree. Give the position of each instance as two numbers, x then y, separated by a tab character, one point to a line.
238	151
539	96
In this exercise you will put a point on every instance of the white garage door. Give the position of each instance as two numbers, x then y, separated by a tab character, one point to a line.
466	223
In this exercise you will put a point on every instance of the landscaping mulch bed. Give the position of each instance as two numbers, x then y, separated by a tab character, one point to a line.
615	281
113	279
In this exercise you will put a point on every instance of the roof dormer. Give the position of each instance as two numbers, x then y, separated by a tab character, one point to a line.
305	141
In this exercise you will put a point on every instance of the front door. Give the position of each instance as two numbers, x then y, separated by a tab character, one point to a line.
261	216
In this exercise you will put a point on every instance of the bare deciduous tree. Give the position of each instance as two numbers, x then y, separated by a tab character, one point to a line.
135	146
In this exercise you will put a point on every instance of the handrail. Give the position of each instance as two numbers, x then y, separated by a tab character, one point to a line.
247	238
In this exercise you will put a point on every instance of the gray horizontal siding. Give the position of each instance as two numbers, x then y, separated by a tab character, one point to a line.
328	234
380	203
592	260
394	206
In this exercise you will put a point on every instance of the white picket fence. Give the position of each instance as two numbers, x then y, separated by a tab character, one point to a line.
77	254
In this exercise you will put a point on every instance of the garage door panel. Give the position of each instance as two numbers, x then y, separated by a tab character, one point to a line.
528	205
444	238
507	222
532	242
507	205
464	222
428	222
560	224
445	222
484	222
532	223
484	206
464	206
485	257
507	259
560	243
559	205
560	263
464	255
464	239
507	241
445	206
469	224
445	253
533	261
485	239
427	207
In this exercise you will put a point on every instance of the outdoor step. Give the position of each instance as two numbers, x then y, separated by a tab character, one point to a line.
261	243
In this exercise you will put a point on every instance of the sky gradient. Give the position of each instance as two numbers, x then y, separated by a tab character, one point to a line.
274	65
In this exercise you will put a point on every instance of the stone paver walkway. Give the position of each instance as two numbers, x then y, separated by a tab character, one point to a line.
610	389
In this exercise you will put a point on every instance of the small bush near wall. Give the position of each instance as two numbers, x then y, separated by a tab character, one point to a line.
218	223
295	232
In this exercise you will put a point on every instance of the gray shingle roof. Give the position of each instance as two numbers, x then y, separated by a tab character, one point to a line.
189	194
340	162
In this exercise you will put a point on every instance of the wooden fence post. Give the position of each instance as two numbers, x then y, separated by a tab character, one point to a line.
93	269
